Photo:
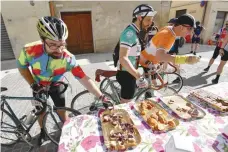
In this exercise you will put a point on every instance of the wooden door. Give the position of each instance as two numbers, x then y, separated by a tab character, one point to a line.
80	39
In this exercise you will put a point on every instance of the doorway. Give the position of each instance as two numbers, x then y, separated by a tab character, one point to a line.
80	36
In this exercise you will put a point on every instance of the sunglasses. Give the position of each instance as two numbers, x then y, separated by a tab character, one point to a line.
189	27
55	47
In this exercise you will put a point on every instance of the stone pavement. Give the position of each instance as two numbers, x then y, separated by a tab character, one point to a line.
10	78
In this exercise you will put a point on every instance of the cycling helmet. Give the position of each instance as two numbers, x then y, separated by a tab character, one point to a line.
144	10
52	28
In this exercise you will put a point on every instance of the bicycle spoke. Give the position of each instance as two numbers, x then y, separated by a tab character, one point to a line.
8	125
8	138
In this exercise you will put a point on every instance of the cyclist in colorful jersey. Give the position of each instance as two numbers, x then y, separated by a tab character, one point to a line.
175	48
220	50
130	47
49	60
196	37
161	43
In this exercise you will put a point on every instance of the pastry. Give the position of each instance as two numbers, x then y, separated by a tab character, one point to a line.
106	118
193	112
154	116
161	119
149	107
130	138
171	124
178	109
159	113
170	102
184	110
152	122
121	145
161	127
142	112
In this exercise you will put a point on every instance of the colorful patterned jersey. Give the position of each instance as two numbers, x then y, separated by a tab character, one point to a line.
129	40
46	69
222	35
163	40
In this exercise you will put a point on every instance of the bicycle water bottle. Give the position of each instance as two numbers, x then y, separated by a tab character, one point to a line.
30	117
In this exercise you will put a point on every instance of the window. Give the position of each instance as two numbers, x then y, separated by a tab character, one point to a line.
180	12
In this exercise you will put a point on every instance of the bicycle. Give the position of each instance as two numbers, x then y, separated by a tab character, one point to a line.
169	76
115	90
16	128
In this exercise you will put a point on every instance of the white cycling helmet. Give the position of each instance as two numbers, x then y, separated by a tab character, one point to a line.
52	28
144	10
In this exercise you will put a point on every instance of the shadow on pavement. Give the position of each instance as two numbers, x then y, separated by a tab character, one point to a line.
22	146
197	80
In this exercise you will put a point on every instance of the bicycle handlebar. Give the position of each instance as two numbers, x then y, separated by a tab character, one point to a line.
44	97
175	68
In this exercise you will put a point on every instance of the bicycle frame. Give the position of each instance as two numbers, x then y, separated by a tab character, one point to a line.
18	122
116	94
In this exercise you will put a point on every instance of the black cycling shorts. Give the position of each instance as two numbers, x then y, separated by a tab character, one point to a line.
127	83
57	98
216	53
195	39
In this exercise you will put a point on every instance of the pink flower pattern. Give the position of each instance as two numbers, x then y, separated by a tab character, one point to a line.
219	120
61	148
90	142
158	145
193	131
94	140
197	148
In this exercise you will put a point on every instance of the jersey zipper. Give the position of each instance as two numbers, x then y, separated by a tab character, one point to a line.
47	63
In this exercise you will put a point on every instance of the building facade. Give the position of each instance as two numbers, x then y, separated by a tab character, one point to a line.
93	26
211	14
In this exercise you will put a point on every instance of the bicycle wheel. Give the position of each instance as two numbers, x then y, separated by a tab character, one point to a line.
8	129
174	81
103	83
53	122
86	103
166	91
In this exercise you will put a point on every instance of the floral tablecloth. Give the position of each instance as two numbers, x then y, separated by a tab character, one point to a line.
84	133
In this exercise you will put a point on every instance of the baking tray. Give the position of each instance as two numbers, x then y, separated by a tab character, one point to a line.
211	99
107	127
153	111
181	107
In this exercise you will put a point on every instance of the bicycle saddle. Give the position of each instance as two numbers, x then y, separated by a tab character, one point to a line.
3	89
104	73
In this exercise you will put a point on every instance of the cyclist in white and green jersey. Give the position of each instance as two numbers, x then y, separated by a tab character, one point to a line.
131	41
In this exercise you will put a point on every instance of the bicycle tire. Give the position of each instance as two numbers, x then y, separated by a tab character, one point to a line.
10	116
75	101
102	83
172	92
55	138
181	83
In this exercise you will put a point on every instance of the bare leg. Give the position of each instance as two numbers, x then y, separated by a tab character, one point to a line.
196	46
220	67
219	71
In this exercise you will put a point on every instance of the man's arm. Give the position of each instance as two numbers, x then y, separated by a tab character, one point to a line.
177	59
23	64
84	79
26	74
91	86
162	56
124	61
